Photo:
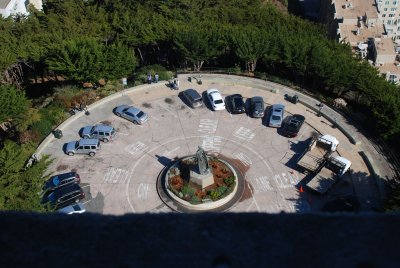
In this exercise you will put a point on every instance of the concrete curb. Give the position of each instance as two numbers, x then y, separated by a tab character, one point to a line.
375	172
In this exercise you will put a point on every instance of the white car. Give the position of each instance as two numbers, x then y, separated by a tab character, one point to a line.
76	208
216	99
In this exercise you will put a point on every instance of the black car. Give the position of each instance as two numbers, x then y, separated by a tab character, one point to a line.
257	107
192	97
292	125
61	180
237	104
63	196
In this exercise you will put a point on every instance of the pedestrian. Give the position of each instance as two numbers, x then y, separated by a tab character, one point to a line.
321	106
177	84
156	78
149	78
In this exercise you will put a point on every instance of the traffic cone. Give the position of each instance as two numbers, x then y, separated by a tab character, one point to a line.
301	189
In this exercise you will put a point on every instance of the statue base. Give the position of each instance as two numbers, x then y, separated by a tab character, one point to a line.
203	180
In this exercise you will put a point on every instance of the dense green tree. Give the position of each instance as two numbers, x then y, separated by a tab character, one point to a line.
198	43
13	103
20	186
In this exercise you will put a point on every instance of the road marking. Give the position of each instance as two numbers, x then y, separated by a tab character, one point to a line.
244	134
244	159
212	143
123	133
117	175
191	110
142	191
208	126
136	148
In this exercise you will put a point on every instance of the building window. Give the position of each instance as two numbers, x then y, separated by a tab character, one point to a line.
393	9
398	37
385	9
394	2
383	15
393	78
391	15
398	28
386	2
389	22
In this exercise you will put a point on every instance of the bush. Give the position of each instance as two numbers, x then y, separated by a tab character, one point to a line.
43	127
218	192
195	200
163	73
187	192
229	181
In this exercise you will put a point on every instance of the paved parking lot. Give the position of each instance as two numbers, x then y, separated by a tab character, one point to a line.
122	177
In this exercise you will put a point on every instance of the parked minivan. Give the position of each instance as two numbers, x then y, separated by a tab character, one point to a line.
276	116
192	97
102	132
83	146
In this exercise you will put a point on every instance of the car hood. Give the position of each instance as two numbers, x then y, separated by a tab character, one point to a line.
70	146
86	130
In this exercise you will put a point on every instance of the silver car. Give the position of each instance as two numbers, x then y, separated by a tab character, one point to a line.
83	146
276	117
131	113
102	132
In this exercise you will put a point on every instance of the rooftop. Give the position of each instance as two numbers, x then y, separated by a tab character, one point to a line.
384	46
351	9
348	33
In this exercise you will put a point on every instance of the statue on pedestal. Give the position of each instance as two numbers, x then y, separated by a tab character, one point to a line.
202	162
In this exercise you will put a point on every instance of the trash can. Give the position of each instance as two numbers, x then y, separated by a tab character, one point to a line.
295	99
57	133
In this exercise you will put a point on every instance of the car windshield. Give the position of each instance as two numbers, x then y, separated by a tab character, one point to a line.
77	144
259	106
140	114
276	117
126	109
218	101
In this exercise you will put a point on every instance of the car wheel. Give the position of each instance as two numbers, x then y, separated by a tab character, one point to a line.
118	114
91	153
70	153
135	122
105	140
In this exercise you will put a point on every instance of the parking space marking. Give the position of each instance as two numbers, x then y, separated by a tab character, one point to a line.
302	133
143	190
191	110
123	133
117	175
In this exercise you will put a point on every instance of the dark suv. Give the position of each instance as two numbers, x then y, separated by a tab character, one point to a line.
292	125
237	104
61	180
192	97
64	196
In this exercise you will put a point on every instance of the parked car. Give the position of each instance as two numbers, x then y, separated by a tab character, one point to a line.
292	125
192	97
64	196
132	114
83	146
276	116
102	132
76	208
61	180
216	100
257	106
237	104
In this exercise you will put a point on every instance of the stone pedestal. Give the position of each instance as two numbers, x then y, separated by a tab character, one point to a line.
203	180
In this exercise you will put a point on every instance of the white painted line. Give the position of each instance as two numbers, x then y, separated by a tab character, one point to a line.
191	110
123	133
85	186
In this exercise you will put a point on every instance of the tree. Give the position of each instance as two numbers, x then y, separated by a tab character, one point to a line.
20	186
13	103
197	44
120	61
248	43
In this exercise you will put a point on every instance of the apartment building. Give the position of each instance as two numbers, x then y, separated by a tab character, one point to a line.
359	23
389	13
12	7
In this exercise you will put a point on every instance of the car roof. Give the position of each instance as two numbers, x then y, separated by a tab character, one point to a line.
88	141
102	127
298	117
72	208
133	110
212	90
63	176
192	92
278	106
59	192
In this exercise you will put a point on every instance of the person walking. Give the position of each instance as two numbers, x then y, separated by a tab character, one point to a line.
149	78
156	78
177	84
